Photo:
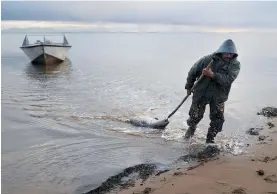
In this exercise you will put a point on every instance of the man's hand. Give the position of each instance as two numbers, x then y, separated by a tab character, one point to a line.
189	92
208	72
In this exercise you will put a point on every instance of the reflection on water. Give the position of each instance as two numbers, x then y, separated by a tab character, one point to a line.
42	72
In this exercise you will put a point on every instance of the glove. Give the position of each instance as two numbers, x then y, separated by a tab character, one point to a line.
189	92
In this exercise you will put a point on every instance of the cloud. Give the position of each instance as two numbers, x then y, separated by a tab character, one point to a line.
221	14
45	24
69	27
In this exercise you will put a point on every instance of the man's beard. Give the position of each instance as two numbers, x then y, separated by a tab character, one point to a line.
227	58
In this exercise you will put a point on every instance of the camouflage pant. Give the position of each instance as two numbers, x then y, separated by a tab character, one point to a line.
196	114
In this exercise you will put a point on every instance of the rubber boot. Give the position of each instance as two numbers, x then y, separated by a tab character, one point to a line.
190	132
210	137
210	140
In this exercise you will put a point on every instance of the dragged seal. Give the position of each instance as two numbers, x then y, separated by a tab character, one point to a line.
137	121
156	124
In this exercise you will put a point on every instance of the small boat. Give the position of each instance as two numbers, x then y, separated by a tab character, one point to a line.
46	51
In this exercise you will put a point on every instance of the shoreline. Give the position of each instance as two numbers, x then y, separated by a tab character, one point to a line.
252	172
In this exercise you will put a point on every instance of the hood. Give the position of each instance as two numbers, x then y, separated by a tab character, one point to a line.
228	46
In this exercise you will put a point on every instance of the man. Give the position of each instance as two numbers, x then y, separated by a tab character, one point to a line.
213	89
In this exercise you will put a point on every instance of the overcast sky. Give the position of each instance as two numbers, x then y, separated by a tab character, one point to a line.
220	14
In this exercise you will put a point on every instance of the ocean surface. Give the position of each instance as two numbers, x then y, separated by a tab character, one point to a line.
63	128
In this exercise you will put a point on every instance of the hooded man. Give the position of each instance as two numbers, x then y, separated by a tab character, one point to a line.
213	89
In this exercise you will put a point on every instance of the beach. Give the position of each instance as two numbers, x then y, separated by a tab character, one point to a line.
253	172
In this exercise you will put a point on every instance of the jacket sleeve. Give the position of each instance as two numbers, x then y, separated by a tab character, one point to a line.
227	79
196	71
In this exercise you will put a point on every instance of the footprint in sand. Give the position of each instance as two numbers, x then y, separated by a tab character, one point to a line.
271	178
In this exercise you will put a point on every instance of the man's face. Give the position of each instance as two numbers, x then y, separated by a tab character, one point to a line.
227	56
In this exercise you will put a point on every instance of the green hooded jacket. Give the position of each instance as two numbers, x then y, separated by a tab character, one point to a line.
225	72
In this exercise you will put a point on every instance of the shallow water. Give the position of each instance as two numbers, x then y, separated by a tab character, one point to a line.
61	125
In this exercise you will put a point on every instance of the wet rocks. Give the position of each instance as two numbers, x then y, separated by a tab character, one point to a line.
262	138
201	152
252	159
254	131
178	174
268	112
239	190
147	190
270	124
209	152
143	170
266	159
260	172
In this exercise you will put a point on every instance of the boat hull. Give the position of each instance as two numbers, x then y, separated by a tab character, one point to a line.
46	54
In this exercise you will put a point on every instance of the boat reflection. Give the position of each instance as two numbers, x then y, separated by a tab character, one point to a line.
44	72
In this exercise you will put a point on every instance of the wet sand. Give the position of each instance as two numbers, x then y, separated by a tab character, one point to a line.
254	172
